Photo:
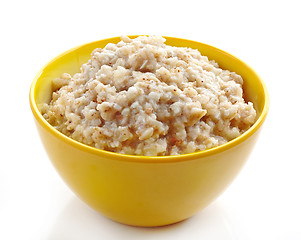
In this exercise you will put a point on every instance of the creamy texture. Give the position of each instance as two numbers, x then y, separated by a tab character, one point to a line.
143	97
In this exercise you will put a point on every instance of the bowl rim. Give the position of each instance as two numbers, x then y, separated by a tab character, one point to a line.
147	159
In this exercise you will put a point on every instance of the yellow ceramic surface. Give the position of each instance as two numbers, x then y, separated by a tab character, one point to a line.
140	190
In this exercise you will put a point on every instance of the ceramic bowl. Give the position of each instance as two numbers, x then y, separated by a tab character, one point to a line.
141	190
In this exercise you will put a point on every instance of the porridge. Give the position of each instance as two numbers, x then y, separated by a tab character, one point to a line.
143	97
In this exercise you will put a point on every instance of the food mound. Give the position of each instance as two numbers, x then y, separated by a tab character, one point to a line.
143	97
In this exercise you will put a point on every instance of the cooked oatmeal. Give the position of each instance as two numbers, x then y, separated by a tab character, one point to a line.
143	97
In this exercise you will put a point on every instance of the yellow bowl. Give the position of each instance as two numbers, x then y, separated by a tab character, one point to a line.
140	190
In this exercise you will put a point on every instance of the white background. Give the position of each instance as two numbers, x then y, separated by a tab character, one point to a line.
263	202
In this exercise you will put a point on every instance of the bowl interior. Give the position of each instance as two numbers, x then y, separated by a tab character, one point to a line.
71	61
